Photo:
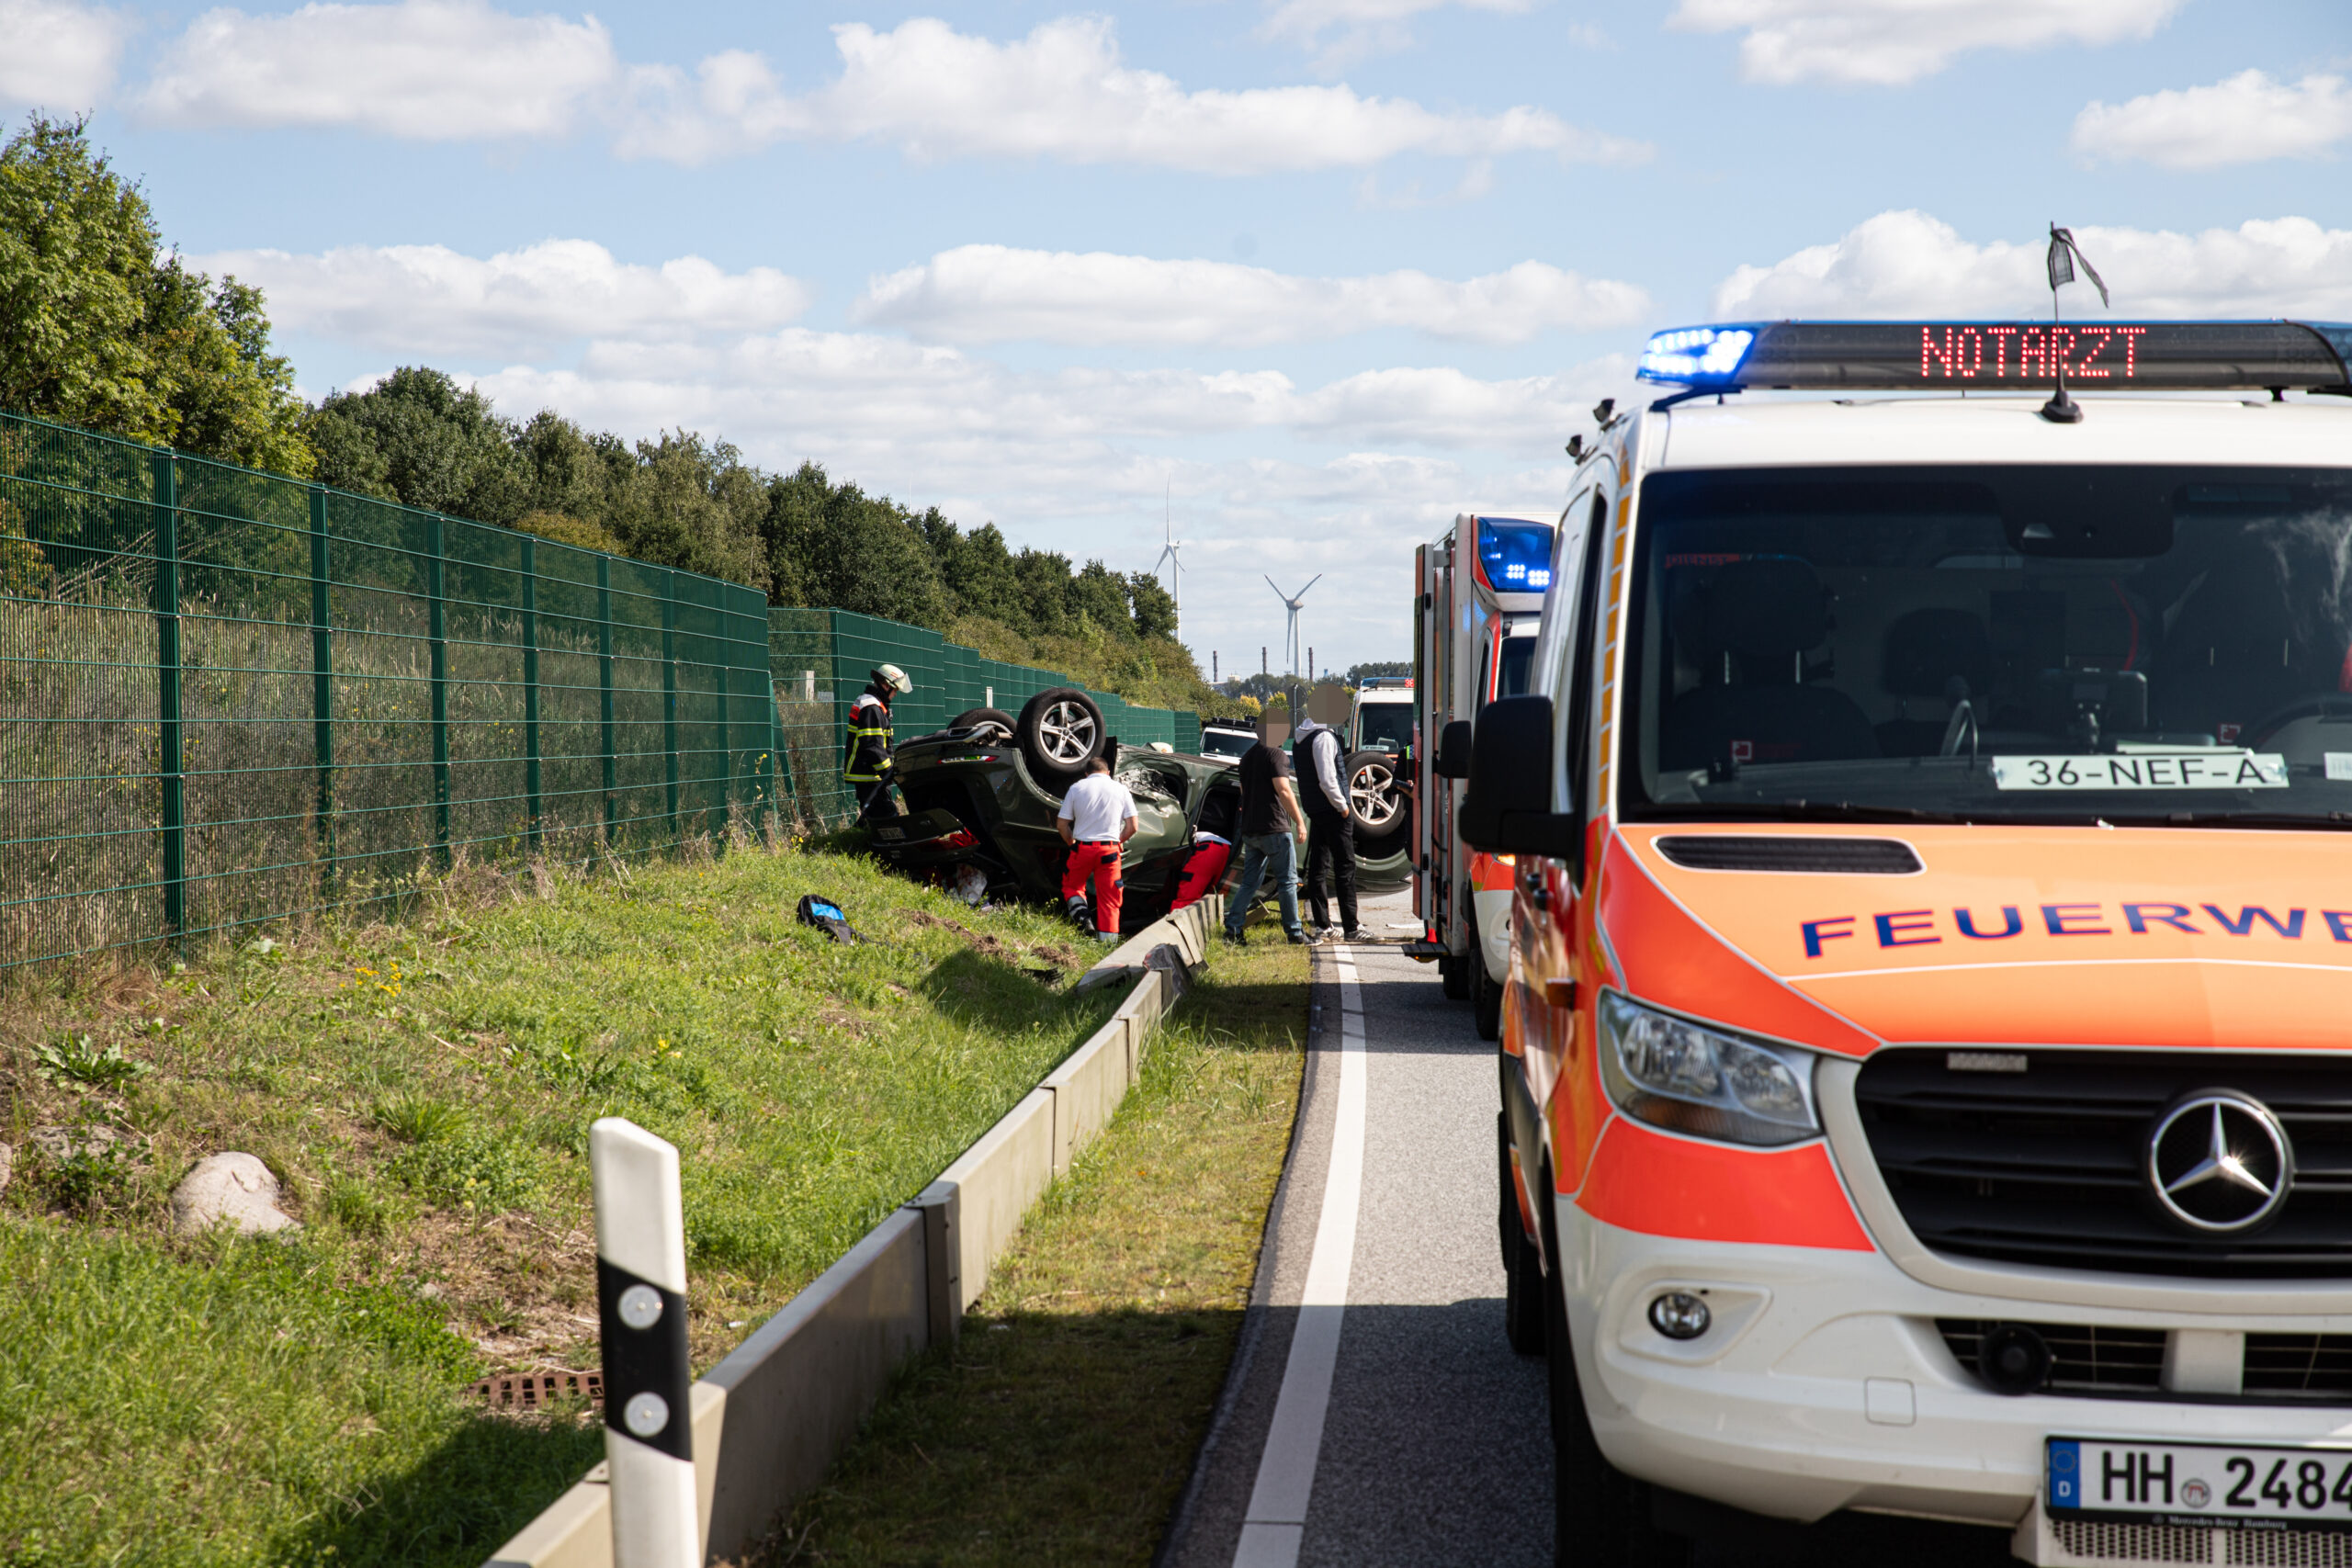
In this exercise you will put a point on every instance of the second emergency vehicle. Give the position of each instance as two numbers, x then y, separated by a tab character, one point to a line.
1927	1084
1477	591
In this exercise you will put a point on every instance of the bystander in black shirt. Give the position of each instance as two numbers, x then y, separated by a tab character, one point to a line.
1261	809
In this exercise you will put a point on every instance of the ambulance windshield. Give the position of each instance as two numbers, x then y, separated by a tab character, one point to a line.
2149	644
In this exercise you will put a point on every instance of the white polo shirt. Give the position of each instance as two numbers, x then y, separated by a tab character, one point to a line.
1095	806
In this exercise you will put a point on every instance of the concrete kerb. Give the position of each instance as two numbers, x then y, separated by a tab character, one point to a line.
1187	930
769	1418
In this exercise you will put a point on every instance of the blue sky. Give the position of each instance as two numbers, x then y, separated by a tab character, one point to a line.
1331	269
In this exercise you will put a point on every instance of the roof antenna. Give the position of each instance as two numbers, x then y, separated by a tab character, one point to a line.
2063	253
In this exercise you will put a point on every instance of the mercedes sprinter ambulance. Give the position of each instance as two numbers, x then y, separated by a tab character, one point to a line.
1928	1070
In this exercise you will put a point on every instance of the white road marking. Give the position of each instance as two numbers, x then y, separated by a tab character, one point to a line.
1275	1522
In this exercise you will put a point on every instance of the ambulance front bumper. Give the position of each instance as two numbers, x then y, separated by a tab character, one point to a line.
1822	1382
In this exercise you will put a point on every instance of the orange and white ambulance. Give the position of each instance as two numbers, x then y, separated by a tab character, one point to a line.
1477	593
1928	1055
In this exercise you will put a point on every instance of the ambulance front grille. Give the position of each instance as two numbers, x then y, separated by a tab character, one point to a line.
2084	1357
2044	1166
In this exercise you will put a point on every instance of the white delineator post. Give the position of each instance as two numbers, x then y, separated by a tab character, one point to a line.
641	1306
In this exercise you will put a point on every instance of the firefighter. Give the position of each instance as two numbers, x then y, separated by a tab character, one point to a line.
866	749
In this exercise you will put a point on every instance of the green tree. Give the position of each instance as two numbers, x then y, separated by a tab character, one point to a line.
695	506
100	326
419	438
1042	584
1155	607
1100	595
834	544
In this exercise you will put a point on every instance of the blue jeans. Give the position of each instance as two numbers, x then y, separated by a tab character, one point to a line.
1279	853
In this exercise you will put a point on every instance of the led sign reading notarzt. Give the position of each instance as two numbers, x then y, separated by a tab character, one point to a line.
2038	354
2021	356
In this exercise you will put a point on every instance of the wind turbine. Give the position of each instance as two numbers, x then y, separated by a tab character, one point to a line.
1167	558
1291	602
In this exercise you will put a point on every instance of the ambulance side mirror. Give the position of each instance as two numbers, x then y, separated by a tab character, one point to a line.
1508	807
1454	750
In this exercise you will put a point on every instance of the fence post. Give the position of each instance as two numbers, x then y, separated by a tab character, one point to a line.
167	693
641	1312
726	673
438	631
531	684
605	680
670	693
768	769
323	687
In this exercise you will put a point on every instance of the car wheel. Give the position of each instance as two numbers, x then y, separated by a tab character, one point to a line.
1454	976
1486	994
1059	731
1523	1323
1374	801
986	719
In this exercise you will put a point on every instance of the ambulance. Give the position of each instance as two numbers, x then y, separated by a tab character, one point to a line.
1926	1070
1477	593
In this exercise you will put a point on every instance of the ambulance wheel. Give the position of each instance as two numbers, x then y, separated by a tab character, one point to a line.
1486	996
1600	1514
1454	976
1522	1267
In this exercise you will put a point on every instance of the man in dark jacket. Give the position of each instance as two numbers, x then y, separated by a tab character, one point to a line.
1269	811
865	751
1330	833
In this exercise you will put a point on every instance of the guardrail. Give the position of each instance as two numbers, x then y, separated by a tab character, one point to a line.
769	1419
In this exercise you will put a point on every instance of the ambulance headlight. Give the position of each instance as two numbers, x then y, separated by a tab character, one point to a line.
1673	1073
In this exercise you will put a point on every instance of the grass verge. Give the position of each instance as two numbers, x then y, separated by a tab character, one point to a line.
424	1092
1062	1427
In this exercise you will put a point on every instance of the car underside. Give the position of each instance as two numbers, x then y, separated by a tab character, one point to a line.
972	799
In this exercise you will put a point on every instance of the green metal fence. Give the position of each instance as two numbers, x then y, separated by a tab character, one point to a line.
823	658
227	696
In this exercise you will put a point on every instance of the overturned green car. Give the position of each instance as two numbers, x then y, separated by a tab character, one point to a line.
985	792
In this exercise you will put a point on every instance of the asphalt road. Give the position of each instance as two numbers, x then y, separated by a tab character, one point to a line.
1375	1414
1434	1447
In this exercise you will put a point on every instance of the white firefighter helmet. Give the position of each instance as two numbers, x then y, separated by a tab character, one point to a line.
894	677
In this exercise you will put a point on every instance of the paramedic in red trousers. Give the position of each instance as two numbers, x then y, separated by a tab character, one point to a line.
866	751
1097	818
1268	848
1330	832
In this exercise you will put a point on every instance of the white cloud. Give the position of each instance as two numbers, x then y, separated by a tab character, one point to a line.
428	299
1063	93
430	70
1076	459
883	394
1888	42
1908	265
994	294
57	54
448	70
1340	32
2243	119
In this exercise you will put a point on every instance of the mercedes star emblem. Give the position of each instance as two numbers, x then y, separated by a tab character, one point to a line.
2219	1162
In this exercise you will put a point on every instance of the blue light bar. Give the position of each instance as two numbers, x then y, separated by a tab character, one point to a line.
1515	556
1697	357
2093	355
